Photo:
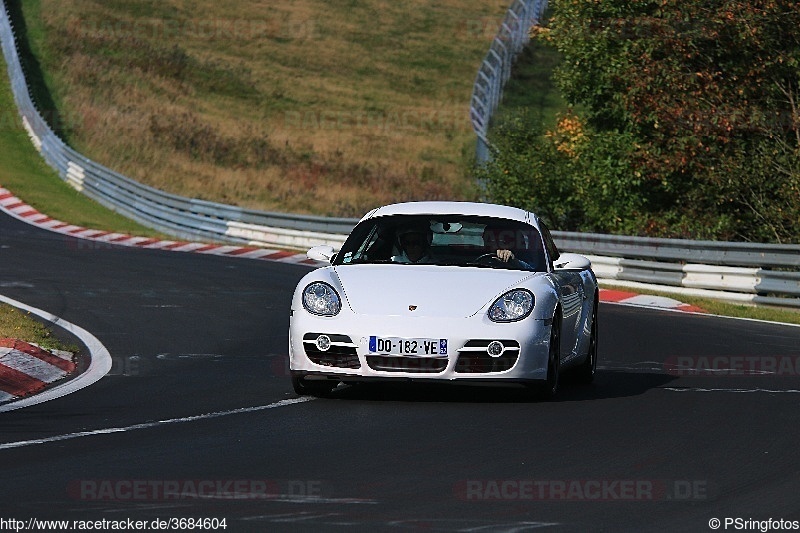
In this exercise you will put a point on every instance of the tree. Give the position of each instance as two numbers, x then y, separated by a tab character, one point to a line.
698	99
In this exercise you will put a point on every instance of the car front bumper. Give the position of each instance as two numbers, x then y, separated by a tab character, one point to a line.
523	359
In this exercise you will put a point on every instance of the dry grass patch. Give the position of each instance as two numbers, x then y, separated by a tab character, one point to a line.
15	324
330	107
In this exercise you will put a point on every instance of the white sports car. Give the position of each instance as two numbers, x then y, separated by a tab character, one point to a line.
447	291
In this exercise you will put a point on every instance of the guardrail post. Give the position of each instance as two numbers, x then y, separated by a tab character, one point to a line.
495	70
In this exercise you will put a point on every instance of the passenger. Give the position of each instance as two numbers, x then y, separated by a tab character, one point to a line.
414	245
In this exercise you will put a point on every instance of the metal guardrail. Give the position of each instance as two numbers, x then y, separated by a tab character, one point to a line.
739	284
682	250
724	270
495	69
734	271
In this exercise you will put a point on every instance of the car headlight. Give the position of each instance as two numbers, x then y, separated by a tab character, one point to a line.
321	299
513	305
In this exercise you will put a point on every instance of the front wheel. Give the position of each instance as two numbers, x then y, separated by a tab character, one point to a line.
306	387
585	373
549	389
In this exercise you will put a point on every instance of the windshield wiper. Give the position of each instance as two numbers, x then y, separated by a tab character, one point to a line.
477	265
367	261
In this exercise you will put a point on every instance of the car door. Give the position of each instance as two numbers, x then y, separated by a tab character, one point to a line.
571	285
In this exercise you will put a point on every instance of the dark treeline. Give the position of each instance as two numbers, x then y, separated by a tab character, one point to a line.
684	121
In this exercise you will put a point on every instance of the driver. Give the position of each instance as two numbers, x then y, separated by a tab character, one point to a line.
414	245
500	241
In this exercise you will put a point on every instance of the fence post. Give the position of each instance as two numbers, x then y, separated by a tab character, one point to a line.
495	70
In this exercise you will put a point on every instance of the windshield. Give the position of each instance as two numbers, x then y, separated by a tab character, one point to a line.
445	240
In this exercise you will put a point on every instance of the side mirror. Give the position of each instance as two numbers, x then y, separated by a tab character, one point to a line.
569	261
323	252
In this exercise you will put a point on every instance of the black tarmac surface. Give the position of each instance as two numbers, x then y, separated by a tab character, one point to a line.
181	429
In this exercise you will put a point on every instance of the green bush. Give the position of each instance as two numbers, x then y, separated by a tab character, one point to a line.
684	122
575	178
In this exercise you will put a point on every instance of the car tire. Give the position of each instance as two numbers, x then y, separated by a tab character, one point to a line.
549	388
585	373
320	388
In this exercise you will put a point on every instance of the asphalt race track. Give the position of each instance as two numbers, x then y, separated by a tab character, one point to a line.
197	418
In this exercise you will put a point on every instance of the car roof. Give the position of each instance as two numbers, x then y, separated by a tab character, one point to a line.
453	208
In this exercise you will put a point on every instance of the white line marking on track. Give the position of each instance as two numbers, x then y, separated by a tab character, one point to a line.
148	425
304	499
110	237
161	244
136	240
737	391
220	250
189	247
256	254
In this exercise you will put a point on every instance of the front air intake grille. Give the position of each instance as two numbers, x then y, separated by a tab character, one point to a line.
473	358
421	365
341	354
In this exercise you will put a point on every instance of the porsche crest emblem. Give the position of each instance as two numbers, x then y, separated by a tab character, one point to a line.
412	307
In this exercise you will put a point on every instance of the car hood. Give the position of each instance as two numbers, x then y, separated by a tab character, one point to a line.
432	291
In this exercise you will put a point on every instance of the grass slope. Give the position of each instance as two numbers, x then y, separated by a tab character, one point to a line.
323	106
24	172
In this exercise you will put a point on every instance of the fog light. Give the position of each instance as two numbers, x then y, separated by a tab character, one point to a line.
495	349
323	343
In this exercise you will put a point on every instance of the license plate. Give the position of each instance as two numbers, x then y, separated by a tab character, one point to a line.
417	347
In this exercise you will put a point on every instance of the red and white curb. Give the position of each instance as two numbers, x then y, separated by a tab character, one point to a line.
22	211
646	300
27	369
18	209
